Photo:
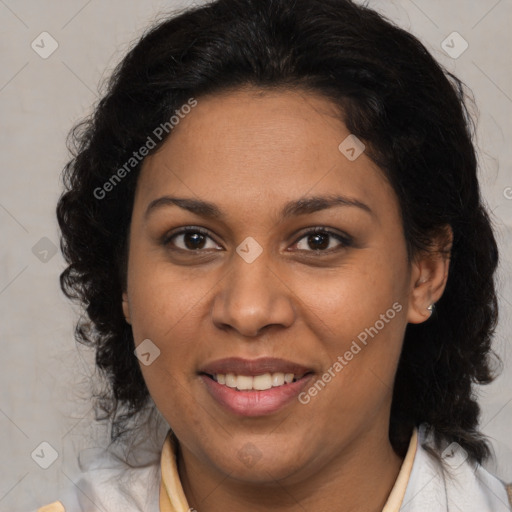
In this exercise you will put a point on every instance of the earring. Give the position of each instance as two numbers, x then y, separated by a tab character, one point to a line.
431	308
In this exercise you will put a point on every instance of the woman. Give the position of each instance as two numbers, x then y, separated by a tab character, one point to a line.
274	223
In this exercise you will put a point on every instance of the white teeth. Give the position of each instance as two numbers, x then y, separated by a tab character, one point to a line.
243	382
231	380
277	379
262	382
258	383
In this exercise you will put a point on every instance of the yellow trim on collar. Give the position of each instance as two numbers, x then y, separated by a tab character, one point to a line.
56	506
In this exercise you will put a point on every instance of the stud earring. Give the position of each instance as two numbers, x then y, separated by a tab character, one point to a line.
431	308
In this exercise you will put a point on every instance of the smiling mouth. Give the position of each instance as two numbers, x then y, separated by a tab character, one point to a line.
261	382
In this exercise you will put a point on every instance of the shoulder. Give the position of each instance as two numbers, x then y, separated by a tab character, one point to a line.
122	489
456	484
114	486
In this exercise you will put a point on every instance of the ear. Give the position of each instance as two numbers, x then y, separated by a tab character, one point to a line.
429	275
126	308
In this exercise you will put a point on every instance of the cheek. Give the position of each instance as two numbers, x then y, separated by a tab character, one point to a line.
164	309
164	299
174	398
353	297
359	313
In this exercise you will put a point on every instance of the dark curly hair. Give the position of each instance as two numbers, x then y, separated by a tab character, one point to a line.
413	117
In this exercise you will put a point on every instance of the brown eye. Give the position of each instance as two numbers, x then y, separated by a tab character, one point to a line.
321	240
190	239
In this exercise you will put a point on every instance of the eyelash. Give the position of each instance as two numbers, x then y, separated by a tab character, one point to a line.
345	240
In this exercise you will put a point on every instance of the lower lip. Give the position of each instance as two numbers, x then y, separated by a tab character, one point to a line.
255	403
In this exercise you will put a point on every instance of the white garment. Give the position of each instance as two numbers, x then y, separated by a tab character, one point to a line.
470	488
430	488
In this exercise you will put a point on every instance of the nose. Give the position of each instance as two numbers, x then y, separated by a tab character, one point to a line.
252	297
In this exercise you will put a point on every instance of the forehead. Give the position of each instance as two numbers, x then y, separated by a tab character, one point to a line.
252	147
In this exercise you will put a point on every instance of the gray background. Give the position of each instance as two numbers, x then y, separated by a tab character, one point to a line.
44	375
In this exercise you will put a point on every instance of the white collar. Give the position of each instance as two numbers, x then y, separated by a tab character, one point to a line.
465	487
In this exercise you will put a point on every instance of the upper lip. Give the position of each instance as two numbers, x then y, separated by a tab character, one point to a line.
252	367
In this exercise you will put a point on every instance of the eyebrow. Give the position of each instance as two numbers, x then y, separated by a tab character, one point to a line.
291	209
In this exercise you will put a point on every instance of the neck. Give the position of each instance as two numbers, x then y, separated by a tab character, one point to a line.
360	478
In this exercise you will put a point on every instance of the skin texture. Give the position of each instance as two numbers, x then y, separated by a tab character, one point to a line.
250	152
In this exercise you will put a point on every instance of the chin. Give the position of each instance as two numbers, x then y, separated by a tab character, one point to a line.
262	465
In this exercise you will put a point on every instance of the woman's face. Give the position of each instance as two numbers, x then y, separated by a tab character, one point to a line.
251	282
